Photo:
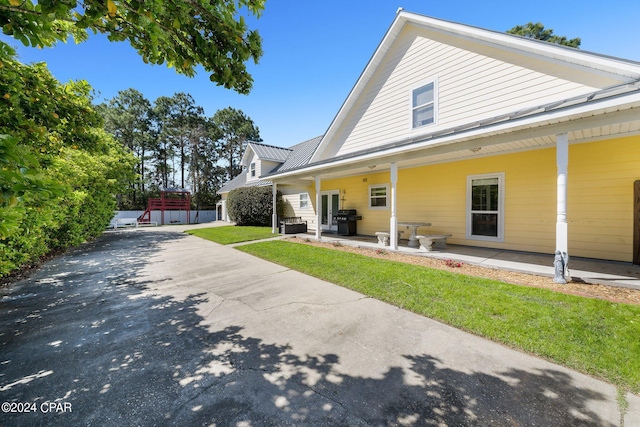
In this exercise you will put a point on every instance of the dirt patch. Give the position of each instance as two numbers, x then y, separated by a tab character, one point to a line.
609	293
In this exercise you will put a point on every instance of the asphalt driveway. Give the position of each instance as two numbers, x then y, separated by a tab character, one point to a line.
156	327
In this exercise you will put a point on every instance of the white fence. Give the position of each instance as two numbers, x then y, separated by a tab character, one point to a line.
170	217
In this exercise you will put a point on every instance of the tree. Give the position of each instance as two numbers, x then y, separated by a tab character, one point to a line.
538	32
59	169
128	117
232	129
182	33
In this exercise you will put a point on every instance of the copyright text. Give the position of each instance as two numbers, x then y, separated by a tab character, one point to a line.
47	407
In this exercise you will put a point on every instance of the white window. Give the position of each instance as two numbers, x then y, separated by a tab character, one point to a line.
485	207
379	196
253	169
423	105
304	200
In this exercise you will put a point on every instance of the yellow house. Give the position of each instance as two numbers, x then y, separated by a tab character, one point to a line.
499	140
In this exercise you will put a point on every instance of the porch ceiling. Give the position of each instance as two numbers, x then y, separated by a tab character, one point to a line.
584	127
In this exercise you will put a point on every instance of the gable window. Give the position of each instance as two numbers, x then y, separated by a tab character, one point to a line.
423	105
379	196
485	207
304	200
253	169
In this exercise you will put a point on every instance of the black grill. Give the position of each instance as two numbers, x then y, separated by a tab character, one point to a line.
347	222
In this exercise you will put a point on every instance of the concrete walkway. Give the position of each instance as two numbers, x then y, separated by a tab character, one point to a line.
156	327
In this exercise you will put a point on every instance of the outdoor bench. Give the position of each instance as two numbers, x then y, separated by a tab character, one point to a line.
125	222
292	225
427	241
384	236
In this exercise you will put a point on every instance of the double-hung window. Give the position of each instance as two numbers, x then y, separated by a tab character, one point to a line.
253	170
304	200
423	105
379	196
485	207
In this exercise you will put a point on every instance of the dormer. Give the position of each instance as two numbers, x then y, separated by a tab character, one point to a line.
260	159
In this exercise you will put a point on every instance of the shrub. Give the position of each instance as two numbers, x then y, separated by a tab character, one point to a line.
253	205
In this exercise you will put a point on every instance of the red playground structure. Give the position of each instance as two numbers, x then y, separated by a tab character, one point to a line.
170	200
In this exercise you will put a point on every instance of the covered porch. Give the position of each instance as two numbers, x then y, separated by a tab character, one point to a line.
557	182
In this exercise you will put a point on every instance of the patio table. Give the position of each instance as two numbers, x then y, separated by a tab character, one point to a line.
413	226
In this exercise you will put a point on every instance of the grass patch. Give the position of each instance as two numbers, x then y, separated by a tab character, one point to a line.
232	234
596	337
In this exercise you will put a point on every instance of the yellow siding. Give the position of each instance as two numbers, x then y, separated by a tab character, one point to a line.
600	198
600	193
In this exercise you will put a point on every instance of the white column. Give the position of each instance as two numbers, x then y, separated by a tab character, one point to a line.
393	222
562	161
274	217
318	210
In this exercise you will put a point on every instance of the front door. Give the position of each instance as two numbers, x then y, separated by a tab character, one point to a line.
329	205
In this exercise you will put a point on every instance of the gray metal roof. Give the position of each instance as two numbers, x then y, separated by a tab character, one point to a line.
296	156
300	155
269	152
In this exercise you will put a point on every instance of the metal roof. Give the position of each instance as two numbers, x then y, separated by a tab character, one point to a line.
241	181
300	155
269	152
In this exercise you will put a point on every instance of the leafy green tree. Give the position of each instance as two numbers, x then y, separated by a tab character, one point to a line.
184	34
232	129
59	168
538	32
129	118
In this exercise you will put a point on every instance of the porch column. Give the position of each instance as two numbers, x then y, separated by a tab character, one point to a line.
393	222
318	210
274	217
562	236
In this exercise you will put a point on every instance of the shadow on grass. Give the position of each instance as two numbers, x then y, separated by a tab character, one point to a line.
83	331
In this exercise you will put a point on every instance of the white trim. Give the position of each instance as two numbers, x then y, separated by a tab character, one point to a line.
393	221
386	187
318	209
501	207
562	163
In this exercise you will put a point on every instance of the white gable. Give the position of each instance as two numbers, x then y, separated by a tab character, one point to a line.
478	75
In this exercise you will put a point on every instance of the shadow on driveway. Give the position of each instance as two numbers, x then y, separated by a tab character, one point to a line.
83	332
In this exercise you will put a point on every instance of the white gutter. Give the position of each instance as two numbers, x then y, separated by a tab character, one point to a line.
528	122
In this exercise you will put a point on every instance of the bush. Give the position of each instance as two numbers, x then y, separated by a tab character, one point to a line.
59	169
253	205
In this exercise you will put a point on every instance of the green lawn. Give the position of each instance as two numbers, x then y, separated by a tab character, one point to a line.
232	234
593	336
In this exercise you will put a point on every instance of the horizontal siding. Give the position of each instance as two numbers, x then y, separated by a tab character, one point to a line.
599	204
291	197
474	81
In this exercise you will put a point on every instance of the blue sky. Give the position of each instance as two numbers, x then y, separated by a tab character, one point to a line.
315	51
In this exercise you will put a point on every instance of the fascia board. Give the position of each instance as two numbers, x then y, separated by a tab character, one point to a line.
245	156
564	54
369	70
